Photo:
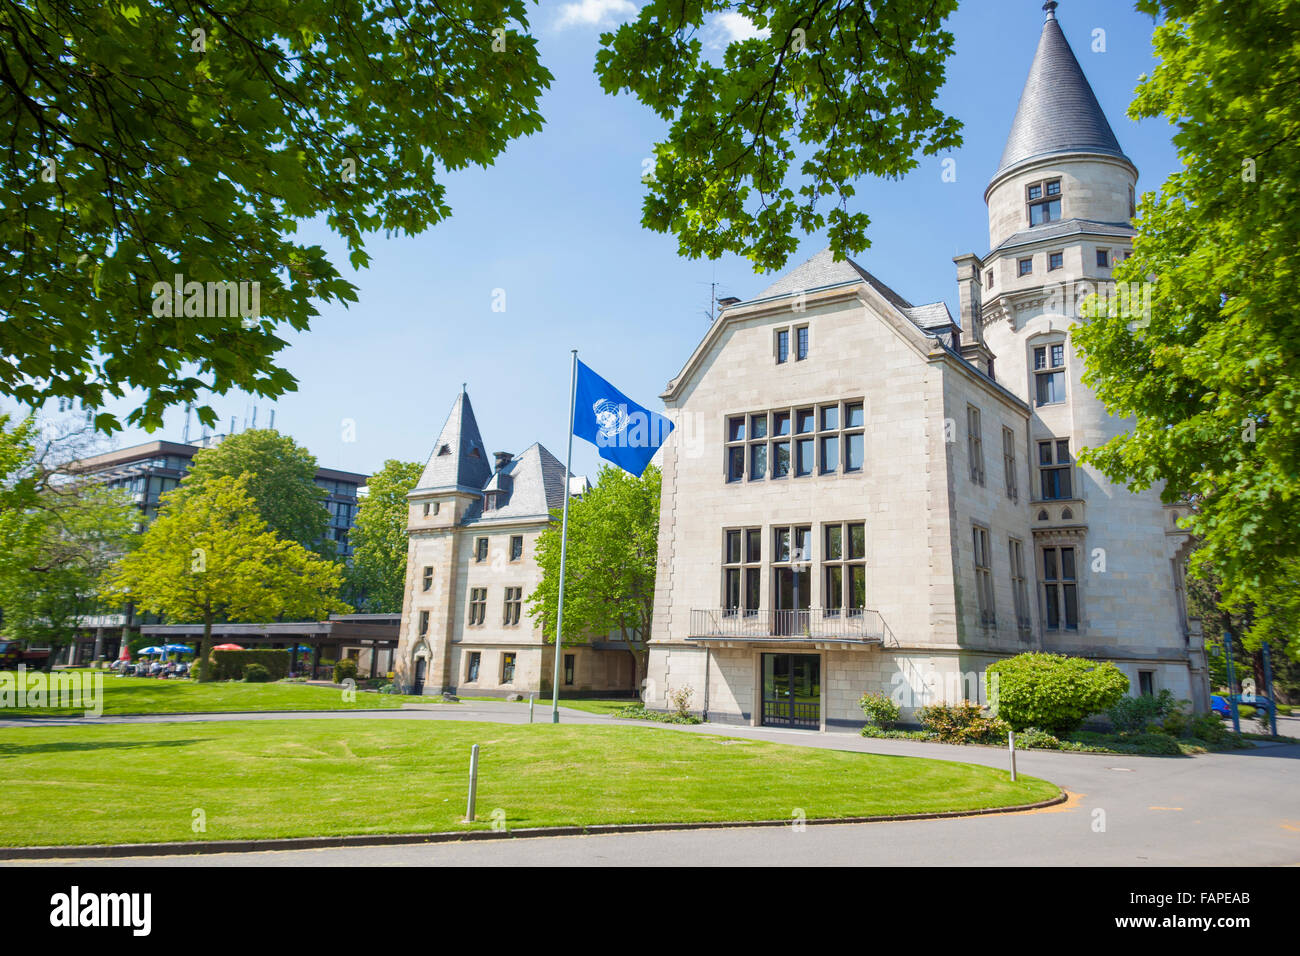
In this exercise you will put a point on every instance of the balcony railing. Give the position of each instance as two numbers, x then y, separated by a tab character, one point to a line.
814	624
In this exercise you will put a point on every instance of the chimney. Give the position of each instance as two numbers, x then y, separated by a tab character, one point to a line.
727	301
969	296
503	458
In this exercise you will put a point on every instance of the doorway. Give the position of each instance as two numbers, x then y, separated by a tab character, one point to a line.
418	686
792	691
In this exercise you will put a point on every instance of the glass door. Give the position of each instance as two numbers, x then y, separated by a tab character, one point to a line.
792	691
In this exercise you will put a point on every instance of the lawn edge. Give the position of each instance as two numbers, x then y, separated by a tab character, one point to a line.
203	847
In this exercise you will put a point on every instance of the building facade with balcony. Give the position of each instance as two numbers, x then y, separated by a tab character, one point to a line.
863	495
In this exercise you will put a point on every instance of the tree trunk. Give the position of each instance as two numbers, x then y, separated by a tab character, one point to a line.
205	648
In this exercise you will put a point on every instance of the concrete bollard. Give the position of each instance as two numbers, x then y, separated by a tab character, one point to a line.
473	783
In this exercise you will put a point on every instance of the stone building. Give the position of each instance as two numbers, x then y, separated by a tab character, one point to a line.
473	527
866	495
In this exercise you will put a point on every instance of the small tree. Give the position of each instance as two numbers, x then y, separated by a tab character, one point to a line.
1051	691
208	555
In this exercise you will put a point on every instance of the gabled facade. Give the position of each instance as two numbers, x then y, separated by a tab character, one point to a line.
473	524
862	495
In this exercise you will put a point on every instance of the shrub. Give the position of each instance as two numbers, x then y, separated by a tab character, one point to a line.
880	710
255	673
961	723
680	700
639	712
1031	738
1052	691
1134	713
345	669
1209	727
229	665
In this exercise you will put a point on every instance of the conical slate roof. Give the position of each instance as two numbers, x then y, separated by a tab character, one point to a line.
459	456
1058	112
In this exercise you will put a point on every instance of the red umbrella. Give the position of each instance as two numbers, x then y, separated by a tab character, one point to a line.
227	647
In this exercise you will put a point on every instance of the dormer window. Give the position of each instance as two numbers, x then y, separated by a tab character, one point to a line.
490	500
444	450
1044	201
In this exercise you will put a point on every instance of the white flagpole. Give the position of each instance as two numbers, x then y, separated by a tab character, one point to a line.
564	546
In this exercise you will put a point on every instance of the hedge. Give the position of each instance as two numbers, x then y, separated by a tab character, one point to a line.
229	665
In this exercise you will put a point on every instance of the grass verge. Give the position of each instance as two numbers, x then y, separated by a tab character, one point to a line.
104	783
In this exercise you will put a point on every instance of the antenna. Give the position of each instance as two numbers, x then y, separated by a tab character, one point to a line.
272	425
185	435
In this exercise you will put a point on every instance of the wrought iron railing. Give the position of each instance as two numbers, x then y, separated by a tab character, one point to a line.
814	624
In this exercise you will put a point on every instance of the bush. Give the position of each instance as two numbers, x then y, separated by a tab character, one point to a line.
1135	713
961	724
255	673
345	669
1031	738
680	701
229	665
1052	691
880	710
1209	727
639	712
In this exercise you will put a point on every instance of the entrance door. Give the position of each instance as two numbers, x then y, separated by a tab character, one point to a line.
792	690
793	593
418	687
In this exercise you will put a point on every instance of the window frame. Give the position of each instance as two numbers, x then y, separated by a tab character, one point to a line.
477	607
516	553
1009	462
1024	267
984	596
1019	582
975	444
511	605
481	548
1055	591
851	567
754	435
1050	372
1044	200
1061	470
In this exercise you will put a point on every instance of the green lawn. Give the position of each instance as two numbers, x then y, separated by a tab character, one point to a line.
148	695
590	705
104	783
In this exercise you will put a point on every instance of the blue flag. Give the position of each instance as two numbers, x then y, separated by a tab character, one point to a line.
624	433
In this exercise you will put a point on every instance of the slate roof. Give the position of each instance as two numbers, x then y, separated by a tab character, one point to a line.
459	458
1058	112
1066	227
530	485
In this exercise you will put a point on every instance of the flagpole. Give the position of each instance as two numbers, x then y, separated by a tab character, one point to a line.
564	546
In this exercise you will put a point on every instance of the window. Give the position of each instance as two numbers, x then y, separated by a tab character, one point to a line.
480	550
1132	203
428	578
516	547
782	345
477	605
801	343
844	569
988	279
1049	374
1054	469
507	668
424	623
1055	260
1024	266
795	442
568	669
1103	258
471	671
976	444
1009	461
1019	587
1147	683
1044	201
984	577
510	606
1060	590
741	572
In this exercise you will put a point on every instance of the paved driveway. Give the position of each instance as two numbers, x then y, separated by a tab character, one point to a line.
1237	808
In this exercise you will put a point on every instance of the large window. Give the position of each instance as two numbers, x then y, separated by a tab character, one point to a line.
798	442
424	623
975	443
510	607
1044	201
1019	586
471	671
428	578
477	606
1060	589
1054	469
844	569
516	547
742	569
507	668
480	550
1009	462
782	345
1049	374
569	661
801	343
984	577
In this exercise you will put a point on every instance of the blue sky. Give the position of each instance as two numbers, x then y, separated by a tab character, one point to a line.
556	225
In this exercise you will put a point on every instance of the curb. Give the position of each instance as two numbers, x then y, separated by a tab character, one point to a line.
202	847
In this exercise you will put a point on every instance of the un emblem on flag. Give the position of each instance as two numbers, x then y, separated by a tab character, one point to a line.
611	419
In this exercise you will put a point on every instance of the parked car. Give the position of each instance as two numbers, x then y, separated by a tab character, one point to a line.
1223	707
12	653
1219	705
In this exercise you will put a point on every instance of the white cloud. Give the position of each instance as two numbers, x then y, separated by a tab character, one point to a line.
594	13
731	26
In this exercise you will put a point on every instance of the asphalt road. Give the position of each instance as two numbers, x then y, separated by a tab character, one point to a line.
1240	808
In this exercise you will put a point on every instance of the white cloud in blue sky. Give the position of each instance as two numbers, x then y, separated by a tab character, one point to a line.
731	26
594	13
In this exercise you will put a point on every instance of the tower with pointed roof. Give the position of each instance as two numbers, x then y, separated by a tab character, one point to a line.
472	526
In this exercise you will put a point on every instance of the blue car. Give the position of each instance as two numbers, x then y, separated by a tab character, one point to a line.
1219	705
